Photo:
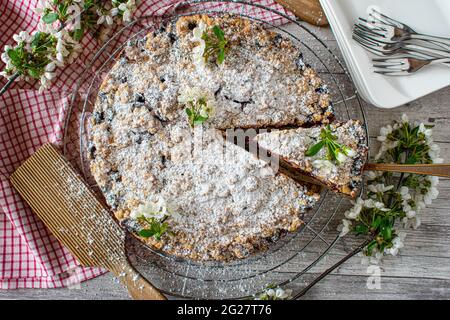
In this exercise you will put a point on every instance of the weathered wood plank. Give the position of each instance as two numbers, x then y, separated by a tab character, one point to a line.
354	287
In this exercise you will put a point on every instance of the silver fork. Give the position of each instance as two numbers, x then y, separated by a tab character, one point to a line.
379	46
377	33
395	30
402	66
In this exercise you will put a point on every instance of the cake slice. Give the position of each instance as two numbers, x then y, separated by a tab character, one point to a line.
332	154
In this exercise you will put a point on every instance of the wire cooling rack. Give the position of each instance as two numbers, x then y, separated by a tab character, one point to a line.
291	262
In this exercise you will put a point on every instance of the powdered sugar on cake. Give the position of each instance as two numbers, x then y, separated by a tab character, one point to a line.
225	203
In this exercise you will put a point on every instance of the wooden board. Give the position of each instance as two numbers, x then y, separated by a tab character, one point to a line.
307	10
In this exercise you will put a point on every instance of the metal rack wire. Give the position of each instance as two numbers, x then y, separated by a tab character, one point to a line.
289	261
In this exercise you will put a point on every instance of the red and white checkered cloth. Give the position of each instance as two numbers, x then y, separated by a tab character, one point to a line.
30	257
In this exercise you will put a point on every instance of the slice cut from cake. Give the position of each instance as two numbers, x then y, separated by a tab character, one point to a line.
332	154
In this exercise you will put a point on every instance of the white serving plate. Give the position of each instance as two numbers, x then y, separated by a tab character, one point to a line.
424	16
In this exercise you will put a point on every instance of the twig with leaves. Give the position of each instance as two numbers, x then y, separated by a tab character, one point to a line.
392	201
395	198
62	26
211	43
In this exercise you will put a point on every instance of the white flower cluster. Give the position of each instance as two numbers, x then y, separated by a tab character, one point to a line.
66	47
156	208
358	205
74	9
413	198
194	95
65	51
198	51
327	167
7	61
377	256
116	8
275	294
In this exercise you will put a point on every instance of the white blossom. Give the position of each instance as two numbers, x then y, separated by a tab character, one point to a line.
354	212
372	175
414	197
340	157
370	203
282	294
433	180
427	132
345	227
194	94
385	146
41	6
384	132
397	244
127	10
379	188
270	292
404	193
410	214
275	294
405	118
5	57
416	222
113	12
198	50
434	153
104	18
432	194
23	36
154	208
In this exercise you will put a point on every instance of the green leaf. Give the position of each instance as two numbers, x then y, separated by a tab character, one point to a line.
387	233
188	112
411	160
370	247
62	8
221	56
219	33
78	34
360	229
199	120
34	73
50	17
313	150
14	56
376	222
35	40
146	233
331	152
415	131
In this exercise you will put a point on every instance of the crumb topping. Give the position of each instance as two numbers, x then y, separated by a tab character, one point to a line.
226	203
292	145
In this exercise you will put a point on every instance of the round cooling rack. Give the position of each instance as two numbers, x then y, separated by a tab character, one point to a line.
289	261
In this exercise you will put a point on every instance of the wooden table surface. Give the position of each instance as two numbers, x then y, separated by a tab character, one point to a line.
421	271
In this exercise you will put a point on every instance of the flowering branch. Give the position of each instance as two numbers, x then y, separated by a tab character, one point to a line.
392	198
62	26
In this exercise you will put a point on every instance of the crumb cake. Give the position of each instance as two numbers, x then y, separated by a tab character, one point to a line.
343	177
224	203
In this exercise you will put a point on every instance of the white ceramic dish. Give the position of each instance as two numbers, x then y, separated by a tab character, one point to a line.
424	16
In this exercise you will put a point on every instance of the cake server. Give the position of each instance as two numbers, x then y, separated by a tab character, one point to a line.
58	195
